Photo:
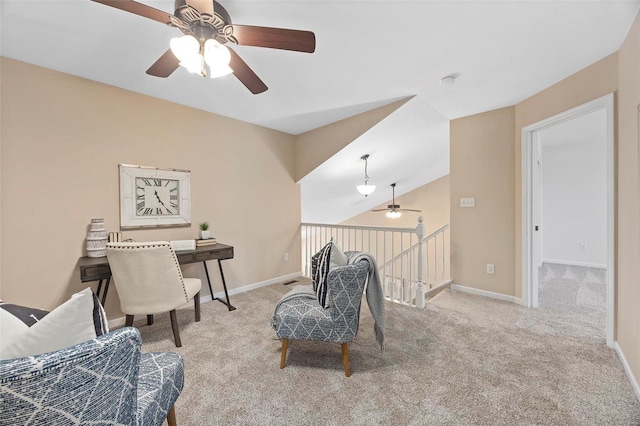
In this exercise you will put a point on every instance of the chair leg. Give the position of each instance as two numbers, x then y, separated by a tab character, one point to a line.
345	359
129	321
171	416
176	330
196	305
283	355
149	319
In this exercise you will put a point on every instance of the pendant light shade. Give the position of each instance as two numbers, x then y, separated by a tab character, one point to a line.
366	189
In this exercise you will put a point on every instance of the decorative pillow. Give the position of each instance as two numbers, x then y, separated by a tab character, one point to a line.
16	319
322	262
79	319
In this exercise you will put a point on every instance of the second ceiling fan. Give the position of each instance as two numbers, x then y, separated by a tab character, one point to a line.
393	210
207	27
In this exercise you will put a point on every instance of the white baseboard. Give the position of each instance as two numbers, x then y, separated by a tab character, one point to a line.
573	263
253	286
486	293
118	322
627	369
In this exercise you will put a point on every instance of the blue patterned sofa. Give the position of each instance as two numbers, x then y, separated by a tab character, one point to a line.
299	315
105	381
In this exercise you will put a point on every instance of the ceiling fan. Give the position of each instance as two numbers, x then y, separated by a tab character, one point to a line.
393	210
209	28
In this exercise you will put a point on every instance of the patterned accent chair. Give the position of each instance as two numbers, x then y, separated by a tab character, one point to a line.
105	381
149	281
302	317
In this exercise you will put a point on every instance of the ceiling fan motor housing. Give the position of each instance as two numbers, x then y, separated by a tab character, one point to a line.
202	25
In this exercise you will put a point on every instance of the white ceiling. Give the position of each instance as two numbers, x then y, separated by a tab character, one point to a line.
368	54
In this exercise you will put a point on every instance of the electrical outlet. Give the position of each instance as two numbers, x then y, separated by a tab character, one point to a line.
286	257
491	269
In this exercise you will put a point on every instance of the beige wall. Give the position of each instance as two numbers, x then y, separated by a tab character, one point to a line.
62	140
590	83
432	199
628	244
482	152
317	146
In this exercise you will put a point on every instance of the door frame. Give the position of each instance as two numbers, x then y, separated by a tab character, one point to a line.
529	136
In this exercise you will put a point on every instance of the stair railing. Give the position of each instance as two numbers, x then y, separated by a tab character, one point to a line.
409	263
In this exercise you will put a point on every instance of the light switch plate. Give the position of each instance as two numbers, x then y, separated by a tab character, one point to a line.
467	202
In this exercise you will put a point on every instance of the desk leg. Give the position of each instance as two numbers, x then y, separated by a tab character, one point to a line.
98	290
106	288
224	284
104	294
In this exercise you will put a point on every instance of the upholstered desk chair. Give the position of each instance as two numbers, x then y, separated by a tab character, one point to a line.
304	318
104	381
149	281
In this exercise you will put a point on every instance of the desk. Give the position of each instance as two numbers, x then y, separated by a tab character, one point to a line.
97	268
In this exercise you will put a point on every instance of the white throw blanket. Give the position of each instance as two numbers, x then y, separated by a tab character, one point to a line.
375	297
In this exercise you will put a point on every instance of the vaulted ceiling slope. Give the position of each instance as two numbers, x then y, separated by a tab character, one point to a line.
366	52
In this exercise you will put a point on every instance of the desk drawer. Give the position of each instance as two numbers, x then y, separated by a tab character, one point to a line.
95	273
216	253
185	258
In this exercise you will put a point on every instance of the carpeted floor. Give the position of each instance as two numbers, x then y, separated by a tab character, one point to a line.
464	360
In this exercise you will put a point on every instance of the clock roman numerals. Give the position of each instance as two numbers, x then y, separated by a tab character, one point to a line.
156	197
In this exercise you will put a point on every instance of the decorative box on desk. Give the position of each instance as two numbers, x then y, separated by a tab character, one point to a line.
97	269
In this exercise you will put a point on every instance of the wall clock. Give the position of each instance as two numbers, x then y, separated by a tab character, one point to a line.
153	197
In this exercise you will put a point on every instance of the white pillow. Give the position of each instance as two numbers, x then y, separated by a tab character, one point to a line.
79	319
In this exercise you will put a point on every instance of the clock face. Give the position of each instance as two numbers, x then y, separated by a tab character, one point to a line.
157	197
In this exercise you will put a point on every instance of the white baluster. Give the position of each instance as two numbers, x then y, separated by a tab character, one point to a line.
420	292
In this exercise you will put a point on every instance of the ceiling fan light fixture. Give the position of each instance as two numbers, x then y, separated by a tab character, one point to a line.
185	48
393	214
217	57
366	189
193	64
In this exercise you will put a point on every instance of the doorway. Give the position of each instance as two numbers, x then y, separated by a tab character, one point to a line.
593	255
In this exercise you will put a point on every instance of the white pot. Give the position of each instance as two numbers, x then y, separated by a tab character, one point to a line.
205	235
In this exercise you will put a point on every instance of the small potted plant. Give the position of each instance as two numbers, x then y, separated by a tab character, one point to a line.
205	234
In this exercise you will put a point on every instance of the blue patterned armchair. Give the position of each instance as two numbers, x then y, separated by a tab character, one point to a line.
104	381
299	315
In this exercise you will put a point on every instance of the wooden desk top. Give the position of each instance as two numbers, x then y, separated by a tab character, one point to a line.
97	268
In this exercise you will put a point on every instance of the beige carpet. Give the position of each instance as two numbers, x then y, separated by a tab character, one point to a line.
465	360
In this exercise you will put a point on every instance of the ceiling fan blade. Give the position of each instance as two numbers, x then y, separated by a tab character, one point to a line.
165	65
410	210
138	9
275	38
202	6
245	74
381	210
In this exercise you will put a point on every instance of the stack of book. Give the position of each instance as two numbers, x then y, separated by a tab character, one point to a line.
206	242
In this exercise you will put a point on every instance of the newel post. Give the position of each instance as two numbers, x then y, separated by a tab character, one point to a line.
420	290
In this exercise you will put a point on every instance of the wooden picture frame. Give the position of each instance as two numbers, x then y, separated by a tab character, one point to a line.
151	197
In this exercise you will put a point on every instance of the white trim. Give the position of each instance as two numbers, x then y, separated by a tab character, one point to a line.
118	322
529	283
486	293
627	369
253	286
573	263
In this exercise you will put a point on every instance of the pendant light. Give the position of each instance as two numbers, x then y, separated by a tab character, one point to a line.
366	189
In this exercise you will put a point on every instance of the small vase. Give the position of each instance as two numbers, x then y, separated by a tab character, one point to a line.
97	239
205	235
